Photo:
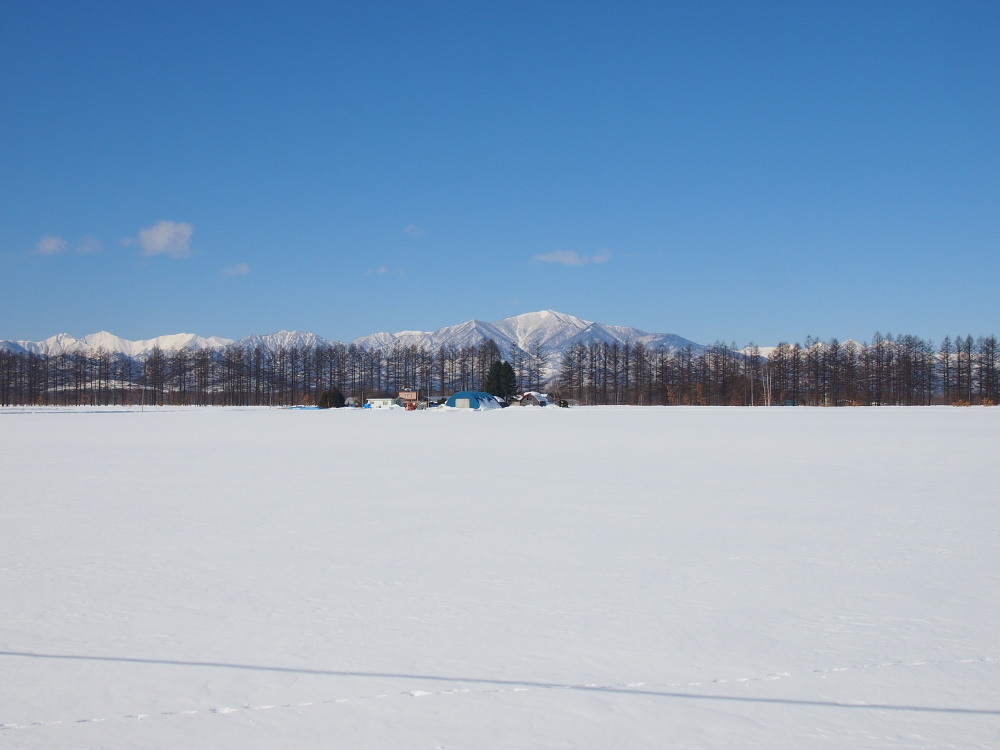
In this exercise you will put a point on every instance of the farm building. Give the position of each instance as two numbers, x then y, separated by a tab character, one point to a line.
473	400
383	403
532	398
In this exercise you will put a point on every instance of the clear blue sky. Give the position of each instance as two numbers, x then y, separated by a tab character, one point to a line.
736	171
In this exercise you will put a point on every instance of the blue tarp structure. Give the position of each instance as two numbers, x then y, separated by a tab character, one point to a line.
473	400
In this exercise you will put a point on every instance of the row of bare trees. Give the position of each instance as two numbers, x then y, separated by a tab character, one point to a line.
254	375
902	370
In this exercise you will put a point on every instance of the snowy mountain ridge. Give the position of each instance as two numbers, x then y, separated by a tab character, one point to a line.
547	333
64	343
287	339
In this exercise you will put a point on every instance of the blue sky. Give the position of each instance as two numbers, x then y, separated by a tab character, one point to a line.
747	172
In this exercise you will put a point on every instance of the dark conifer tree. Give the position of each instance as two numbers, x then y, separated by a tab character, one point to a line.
501	380
331	398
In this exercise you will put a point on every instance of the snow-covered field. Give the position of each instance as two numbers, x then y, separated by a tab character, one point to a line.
527	578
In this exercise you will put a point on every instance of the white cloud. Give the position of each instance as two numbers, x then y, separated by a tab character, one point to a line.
239	269
573	258
412	230
384	271
89	245
50	245
171	238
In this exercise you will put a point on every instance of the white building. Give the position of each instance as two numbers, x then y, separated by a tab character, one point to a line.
383	403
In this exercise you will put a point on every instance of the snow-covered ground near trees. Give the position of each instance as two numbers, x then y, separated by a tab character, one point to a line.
543	578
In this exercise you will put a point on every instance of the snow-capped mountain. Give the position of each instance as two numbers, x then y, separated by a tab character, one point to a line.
548	329
63	343
547	333
284	339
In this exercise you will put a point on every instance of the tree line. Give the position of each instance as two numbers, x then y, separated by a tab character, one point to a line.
900	370
252	375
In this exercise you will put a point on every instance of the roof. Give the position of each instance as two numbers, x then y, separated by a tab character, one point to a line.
538	396
476	399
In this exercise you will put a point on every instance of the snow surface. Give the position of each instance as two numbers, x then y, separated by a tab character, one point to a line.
546	578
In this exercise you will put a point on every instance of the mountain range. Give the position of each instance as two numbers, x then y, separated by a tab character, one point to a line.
547	332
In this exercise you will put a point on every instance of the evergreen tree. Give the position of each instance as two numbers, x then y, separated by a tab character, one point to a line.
501	380
331	398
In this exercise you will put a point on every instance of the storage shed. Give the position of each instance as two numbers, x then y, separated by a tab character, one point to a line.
473	400
533	398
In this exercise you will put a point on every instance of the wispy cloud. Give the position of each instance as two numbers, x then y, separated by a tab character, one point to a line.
384	271
573	258
170	238
412	230
50	244
89	245
238	269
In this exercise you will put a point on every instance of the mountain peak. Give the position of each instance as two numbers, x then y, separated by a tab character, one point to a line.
545	334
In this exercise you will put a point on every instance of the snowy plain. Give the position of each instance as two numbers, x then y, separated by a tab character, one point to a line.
527	578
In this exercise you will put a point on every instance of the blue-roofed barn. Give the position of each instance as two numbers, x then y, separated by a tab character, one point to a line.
473	400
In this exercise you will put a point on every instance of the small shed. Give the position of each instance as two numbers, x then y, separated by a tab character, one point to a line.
383	403
473	400
533	398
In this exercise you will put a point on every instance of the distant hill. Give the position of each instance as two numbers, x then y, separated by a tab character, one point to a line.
550	333
63	343
547	333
